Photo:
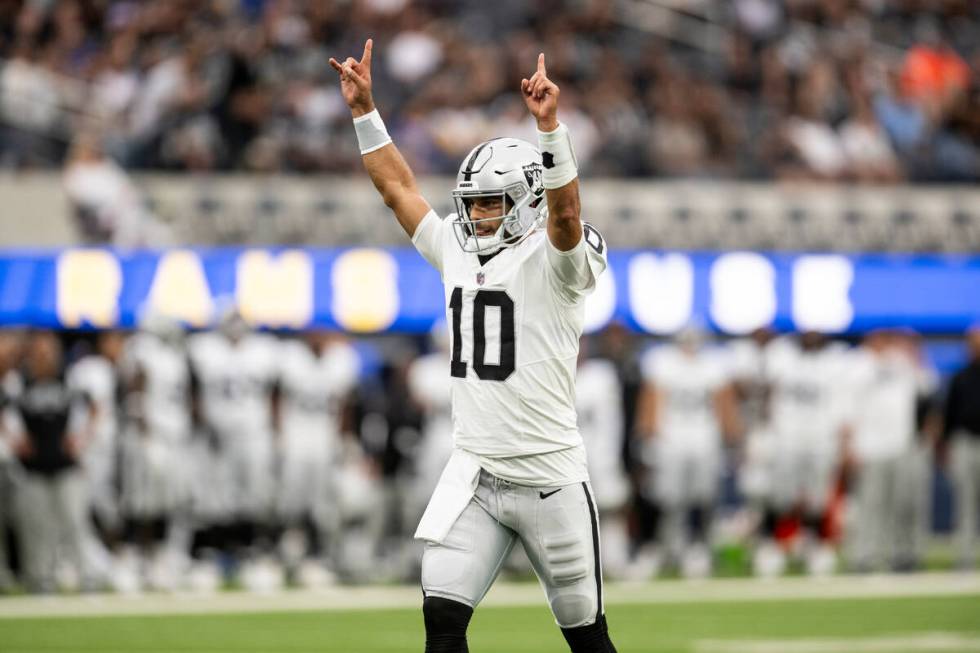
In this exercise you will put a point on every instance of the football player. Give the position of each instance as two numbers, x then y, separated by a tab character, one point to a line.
317	372
155	377
517	263
599	403
747	364
235	370
430	388
49	427
10	346
687	406
806	410
96	376
961	442
884	385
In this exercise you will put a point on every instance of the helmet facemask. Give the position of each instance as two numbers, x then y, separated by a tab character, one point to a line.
468	228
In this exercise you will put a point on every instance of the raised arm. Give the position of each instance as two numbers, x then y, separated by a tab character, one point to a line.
384	163
560	177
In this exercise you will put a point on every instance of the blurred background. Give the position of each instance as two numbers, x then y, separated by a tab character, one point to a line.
222	364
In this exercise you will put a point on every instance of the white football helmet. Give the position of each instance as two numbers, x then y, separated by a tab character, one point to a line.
505	168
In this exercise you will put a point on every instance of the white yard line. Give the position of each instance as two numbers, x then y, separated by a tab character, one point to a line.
503	594
906	643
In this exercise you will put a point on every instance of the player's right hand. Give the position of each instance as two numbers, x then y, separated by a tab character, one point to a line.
355	81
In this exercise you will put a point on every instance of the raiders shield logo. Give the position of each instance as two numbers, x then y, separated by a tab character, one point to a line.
480	278
533	173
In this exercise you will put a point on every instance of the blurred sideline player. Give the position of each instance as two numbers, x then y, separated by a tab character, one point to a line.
961	437
884	384
515	297
10	346
317	372
431	389
155	453
599	404
235	370
807	385
686	408
747	362
50	425
96	375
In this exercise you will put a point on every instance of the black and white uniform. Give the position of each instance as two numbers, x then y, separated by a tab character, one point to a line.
96	377
962	430
599	402
8	469
806	410
236	380
156	476
313	387
893	477
687	449
518	470
51	497
747	366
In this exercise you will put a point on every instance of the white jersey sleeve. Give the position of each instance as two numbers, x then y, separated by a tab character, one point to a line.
430	239
574	273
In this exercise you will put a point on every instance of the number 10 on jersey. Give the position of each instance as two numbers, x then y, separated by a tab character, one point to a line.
483	299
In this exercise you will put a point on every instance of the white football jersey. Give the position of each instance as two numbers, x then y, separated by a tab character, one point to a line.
807	389
96	377
686	385
166	379
515	323
313	387
883	391
236	381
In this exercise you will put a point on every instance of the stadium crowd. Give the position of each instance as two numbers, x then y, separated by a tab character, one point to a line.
851	90
161	459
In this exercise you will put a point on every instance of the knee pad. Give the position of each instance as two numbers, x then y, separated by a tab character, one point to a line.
445	625
571	609
593	638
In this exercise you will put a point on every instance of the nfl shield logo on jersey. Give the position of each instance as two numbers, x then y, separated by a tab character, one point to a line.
480	278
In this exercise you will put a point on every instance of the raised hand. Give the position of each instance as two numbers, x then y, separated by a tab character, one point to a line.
355	81
541	97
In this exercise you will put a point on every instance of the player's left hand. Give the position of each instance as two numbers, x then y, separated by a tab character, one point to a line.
541	97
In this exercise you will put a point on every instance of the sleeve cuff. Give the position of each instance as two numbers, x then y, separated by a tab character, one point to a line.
422	225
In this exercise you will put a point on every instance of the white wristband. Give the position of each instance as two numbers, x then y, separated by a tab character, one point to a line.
557	157
371	132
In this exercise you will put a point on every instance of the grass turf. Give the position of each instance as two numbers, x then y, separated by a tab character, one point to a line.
636	628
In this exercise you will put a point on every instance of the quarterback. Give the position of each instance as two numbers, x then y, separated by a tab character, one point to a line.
517	263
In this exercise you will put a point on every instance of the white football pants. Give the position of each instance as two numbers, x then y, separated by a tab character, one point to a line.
559	530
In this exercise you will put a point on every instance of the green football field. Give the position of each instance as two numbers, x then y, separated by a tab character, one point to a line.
744	618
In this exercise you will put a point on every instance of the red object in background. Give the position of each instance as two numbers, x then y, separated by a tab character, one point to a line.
790	527
928	72
787	529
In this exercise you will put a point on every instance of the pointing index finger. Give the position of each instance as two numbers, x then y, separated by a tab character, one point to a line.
541	64
366	57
